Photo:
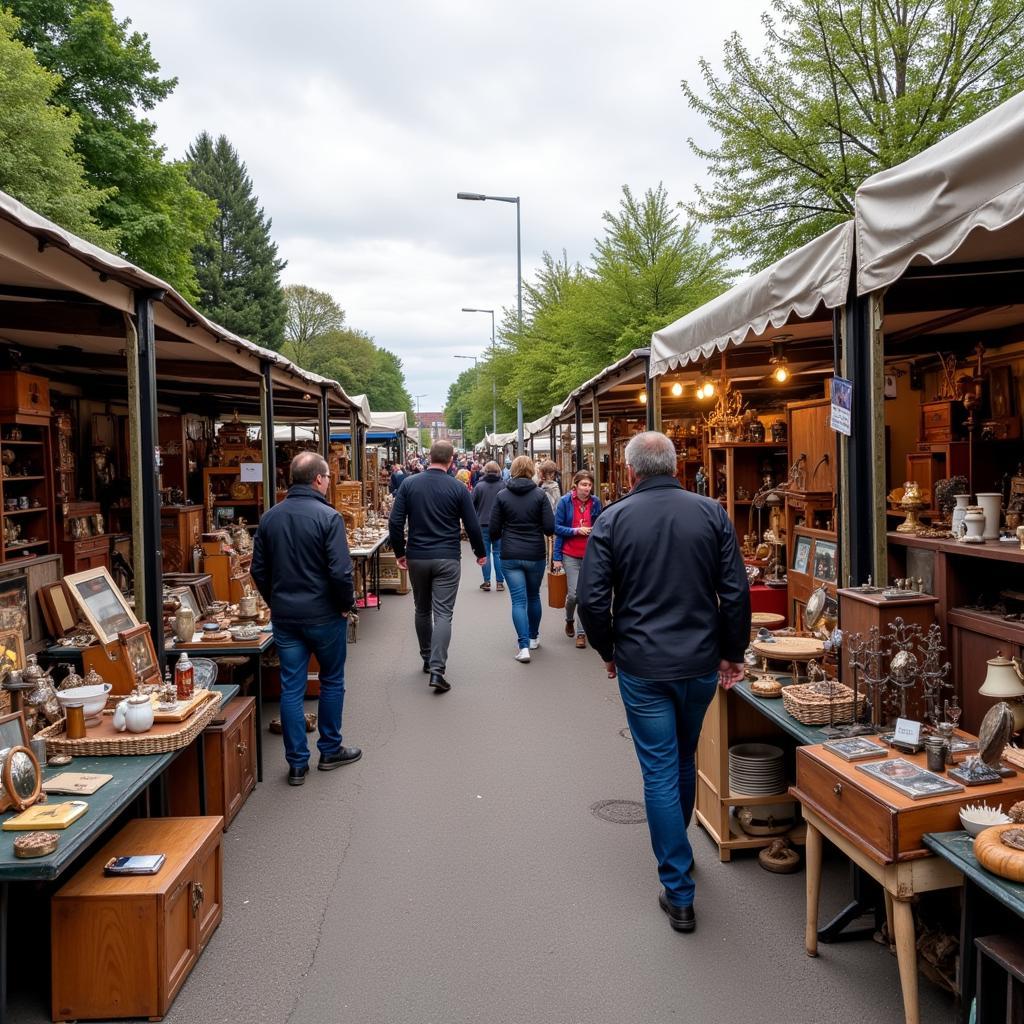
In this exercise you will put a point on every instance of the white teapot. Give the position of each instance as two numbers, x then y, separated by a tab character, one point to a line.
134	713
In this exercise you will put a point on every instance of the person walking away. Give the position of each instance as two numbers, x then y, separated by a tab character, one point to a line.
301	566
663	596
548	484
436	507
520	520
484	493
398	474
575	515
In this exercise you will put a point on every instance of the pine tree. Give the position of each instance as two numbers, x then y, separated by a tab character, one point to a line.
237	266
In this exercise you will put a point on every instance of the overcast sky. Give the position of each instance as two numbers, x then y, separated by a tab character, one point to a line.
359	123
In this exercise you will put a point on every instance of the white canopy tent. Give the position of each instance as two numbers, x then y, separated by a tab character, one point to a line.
962	196
816	274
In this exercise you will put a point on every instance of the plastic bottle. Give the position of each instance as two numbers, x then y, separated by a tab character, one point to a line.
184	677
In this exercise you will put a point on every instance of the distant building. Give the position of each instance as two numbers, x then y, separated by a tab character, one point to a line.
434	422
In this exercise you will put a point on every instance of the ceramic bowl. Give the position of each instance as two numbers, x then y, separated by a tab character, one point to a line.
93	699
977	819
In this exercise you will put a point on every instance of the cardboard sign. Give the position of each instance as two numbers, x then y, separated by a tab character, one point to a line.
907	732
251	472
842	405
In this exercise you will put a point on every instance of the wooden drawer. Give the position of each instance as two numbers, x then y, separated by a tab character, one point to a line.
123	947
878	819
24	394
940	421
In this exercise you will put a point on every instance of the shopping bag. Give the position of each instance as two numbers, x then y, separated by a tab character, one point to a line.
558	589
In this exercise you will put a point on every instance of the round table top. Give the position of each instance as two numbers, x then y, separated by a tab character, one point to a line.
791	648
767	620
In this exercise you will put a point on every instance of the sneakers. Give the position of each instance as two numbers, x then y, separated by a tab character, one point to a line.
570	629
501	586
485	586
523	655
535	643
581	640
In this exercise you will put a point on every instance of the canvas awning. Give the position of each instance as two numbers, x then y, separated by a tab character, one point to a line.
395	422
962	197
816	274
363	404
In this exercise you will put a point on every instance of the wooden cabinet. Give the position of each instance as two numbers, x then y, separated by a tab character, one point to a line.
26	487
736	472
933	462
812	446
181	527
942	420
123	946
84	544
229	498
24	394
230	749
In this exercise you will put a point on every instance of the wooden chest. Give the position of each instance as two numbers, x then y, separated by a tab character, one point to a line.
941	421
122	947
24	394
181	527
230	749
90	553
881	821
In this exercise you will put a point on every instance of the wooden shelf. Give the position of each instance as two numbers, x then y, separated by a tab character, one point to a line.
25	547
724	445
13	479
4	443
25	511
236	501
1004	552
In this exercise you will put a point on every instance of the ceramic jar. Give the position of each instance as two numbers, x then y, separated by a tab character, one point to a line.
972	529
992	504
962	501
184	624
247	606
135	714
779	431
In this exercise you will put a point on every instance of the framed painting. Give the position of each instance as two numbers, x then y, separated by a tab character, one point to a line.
102	604
801	554
13	731
825	561
185	597
137	650
14	604
60	615
12	649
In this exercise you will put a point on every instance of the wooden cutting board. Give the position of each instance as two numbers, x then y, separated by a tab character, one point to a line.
786	648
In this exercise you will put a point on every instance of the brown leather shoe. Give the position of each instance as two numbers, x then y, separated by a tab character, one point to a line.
570	629
581	640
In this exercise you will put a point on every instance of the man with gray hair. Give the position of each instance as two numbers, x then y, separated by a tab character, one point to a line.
301	565
664	598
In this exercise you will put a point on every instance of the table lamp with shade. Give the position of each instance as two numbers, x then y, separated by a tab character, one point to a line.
1005	681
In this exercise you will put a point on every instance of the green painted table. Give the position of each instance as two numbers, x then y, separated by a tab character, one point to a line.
131	777
990	904
775	710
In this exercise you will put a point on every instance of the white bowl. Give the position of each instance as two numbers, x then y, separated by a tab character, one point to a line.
92	698
979	819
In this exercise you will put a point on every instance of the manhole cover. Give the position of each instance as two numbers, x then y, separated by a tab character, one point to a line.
620	812
626	734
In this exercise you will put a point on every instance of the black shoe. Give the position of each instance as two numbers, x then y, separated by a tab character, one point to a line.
347	755
426	668
439	683
297	776
682	919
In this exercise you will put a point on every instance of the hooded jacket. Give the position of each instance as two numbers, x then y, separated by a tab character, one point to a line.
486	490
521	517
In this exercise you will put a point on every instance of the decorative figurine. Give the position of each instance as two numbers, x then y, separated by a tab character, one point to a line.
701	483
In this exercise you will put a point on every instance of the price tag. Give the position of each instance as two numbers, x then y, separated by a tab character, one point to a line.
907	732
251	472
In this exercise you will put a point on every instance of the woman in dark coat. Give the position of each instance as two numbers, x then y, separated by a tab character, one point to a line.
484	494
521	519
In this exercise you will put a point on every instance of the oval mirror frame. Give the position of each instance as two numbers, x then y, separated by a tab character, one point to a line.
17	795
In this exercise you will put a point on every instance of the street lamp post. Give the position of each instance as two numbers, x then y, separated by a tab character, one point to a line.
479	197
494	370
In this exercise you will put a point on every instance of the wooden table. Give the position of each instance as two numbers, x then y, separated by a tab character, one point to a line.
254	649
367	561
132	775
990	904
882	831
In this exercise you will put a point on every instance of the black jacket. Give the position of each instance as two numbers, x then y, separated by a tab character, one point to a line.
300	559
436	506
484	493
395	481
520	518
663	592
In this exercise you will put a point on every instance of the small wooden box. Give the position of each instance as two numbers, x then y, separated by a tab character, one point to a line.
24	394
881	821
941	421
123	946
230	749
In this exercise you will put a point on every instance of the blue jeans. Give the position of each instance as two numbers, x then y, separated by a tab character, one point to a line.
664	720
329	642
492	549
524	579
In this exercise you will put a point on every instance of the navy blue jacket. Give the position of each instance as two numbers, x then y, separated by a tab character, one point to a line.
300	560
484	493
663	592
434	504
521	517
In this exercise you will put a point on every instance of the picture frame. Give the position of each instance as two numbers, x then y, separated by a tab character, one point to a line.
59	612
1000	382
13	731
801	554
139	655
909	779
185	597
825	561
12	649
200	583
14	604
102	604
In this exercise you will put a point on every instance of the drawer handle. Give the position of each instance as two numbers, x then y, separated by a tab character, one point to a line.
198	895
838	789
242	749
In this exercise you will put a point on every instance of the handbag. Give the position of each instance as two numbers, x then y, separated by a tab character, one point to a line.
558	589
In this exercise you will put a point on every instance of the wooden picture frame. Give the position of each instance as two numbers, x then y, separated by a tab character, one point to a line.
102	604
59	611
12	649
13	730
186	597
200	583
138	654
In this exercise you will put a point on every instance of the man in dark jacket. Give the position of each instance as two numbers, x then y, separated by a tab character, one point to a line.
396	478
301	565
664	598
436	506
484	493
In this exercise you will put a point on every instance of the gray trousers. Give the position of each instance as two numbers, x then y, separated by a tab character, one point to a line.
435	582
572	579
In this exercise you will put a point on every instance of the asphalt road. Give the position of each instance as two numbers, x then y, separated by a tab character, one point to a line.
456	874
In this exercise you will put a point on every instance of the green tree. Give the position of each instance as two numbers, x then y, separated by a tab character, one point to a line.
388	391
107	75
38	162
309	315
841	89
238	270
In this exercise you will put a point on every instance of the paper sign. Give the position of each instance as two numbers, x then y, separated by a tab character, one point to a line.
252	472
842	404
907	732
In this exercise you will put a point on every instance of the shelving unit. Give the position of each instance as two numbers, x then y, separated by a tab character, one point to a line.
218	482
31	451
742	463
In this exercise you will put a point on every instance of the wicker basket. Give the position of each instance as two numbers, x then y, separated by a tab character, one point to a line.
105	741
815	709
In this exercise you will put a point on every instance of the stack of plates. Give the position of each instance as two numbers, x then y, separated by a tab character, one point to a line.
756	769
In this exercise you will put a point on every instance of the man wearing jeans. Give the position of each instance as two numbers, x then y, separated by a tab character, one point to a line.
484	493
301	565
436	507
664	598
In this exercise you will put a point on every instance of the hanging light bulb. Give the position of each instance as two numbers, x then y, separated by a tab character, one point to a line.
643	397
677	389
780	373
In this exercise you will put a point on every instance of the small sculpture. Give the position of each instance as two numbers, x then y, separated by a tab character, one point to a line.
701	483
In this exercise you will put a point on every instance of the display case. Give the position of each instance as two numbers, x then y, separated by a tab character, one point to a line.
737	470
229	498
84	541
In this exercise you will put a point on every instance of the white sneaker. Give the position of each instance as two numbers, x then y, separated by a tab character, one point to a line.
523	655
535	643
